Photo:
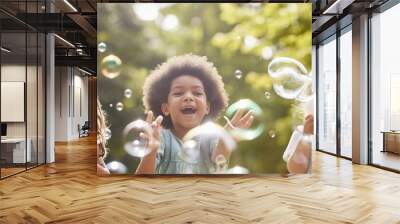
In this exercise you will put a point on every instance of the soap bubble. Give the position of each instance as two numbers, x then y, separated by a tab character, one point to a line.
119	106
210	131
190	152
102	47
257	126
190	155
272	134
128	93
107	134
116	167
267	95
110	105
111	66
290	79
307	94
238	74
288	84
200	138
281	63
136	138
238	170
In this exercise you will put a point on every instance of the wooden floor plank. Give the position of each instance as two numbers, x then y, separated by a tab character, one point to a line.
69	191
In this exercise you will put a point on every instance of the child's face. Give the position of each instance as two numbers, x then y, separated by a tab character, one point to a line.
187	102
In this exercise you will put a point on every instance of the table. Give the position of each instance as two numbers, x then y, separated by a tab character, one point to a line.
13	150
391	141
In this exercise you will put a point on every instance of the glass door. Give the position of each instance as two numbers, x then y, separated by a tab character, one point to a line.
326	105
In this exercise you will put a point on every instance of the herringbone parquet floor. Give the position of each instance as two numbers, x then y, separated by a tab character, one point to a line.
70	192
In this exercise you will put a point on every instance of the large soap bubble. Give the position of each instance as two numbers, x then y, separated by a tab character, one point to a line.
190	156
290	79
308	93
136	136
288	84
200	138
257	126
190	152
210	131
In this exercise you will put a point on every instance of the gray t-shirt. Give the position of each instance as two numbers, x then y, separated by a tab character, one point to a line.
169	156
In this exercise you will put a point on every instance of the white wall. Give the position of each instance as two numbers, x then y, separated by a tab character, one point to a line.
61	103
12	73
71	93
33	126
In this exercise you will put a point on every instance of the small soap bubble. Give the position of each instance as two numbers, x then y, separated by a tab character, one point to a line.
267	95
107	133
271	133
110	105
111	66
238	74
128	93
136	137
116	167
119	106
102	47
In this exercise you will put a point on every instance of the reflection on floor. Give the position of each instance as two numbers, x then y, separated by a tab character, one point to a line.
10	169
386	159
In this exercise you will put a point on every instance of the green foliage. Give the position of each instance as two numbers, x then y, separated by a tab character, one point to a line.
220	32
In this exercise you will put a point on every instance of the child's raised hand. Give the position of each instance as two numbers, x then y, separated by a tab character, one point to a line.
154	139
240	119
309	124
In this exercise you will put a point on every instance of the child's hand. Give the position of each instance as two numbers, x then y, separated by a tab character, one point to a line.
154	139
239	120
309	125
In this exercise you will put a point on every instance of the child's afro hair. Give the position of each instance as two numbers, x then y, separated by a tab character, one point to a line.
157	85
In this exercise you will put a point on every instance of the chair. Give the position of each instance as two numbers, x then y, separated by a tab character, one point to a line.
84	130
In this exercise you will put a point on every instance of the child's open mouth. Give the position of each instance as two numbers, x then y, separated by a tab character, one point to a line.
188	110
